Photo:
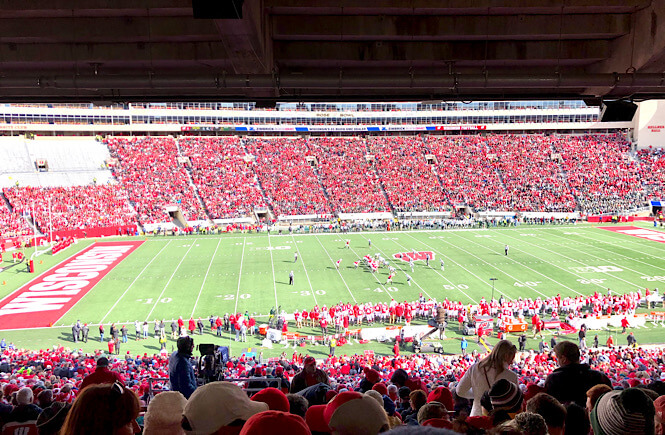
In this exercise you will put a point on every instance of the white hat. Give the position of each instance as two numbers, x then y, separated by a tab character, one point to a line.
164	414
218	404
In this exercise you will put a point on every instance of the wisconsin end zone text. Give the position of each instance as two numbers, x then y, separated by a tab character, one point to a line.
44	300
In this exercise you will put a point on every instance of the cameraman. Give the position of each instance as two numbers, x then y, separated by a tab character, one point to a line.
181	372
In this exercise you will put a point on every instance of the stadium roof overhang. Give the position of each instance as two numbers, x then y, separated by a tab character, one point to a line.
283	50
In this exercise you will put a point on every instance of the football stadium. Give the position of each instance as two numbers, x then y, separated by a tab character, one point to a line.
252	217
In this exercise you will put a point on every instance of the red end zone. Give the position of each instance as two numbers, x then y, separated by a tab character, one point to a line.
642	233
42	301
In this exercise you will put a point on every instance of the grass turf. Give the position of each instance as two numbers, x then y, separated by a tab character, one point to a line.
194	276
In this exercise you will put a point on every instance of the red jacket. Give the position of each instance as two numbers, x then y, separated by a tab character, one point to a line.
101	375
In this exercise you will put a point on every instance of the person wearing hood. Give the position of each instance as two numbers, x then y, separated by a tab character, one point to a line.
181	372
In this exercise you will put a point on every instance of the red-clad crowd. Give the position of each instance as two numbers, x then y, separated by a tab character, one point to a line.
287	178
414	390
73	207
352	184
533	180
601	173
12	224
149	171
409	181
652	176
295	176
466	168
223	177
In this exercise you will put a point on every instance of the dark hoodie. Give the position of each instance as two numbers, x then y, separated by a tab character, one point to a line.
570	383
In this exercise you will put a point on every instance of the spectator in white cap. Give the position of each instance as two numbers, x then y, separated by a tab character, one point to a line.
218	408
164	414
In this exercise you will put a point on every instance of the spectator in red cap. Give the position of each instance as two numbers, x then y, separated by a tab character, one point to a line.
275	399
275	423
102	375
372	377
308	376
442	395
381	388
315	420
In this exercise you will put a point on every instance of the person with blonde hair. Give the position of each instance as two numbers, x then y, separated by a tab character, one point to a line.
480	377
109	409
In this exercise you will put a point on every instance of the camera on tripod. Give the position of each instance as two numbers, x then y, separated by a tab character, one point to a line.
211	362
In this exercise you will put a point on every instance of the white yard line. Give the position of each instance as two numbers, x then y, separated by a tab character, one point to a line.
484	281
274	281
130	285
522	265
205	278
595	248
242	258
300	257
640	251
169	281
570	259
448	230
340	273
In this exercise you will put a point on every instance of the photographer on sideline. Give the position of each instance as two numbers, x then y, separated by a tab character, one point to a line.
181	372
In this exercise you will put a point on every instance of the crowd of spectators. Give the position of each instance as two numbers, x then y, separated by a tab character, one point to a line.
149	171
600	172
12	224
533	180
411	388
411	183
352	184
466	167
225	181
652	176
468	392
61	208
594	174
287	178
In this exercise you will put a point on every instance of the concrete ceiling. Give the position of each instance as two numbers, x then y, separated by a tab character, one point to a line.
126	50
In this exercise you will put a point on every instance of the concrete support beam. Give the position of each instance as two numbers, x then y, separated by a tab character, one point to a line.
453	7
247	41
448	28
297	52
95	8
25	54
642	50
106	30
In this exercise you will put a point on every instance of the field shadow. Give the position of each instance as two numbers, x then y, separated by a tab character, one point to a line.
281	282
67	336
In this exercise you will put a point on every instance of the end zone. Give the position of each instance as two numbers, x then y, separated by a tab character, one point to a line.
642	233
45	299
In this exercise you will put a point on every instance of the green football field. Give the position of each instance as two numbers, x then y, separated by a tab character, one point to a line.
167	277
